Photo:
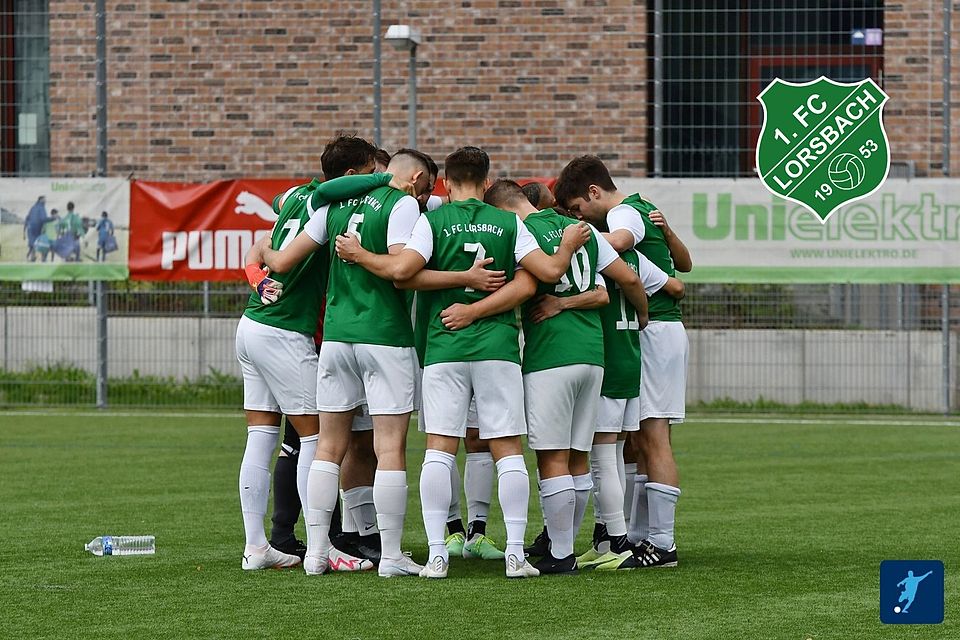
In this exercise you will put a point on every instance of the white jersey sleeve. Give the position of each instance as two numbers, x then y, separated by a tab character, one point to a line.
606	254
316	227
526	243
421	240
434	202
403	218
652	276
601	282
623	216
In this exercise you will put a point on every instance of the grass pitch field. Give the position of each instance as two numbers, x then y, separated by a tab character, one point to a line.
782	527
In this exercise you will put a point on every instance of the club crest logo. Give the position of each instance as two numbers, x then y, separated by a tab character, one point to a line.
822	144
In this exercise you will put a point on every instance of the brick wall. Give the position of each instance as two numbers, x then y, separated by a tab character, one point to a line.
200	90
203	90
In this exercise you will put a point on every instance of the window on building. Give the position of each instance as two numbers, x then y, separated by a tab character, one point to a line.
24	88
715	61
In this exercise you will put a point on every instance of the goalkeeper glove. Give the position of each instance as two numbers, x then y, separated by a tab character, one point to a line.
267	288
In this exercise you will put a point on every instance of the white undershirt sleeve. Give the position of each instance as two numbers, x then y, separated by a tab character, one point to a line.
316	226
526	243
402	220
652	276
623	216
421	240
601	282
606	254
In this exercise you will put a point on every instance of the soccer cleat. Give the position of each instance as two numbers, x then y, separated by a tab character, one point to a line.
548	565
315	565
436	568
540	546
397	567
593	559
616	561
480	546
366	547
520	568
340	561
646	555
454	543
269	558
292	547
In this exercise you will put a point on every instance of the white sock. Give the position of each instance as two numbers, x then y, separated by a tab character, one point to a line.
359	502
453	512
559	503
582	486
347	523
513	488
435	498
390	499
629	479
662	505
478	485
308	449
639	524
255	481
323	490
607	488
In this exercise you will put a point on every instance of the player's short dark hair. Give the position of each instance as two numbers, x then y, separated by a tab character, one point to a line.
578	175
382	156
423	159
346	151
467	165
532	191
503	193
69	206
432	167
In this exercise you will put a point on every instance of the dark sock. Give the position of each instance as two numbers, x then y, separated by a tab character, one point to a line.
477	527
286	501
599	533
336	524
456	526
620	544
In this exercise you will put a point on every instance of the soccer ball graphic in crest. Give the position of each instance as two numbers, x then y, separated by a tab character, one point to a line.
846	171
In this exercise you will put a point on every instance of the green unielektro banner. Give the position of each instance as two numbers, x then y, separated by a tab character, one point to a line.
64	228
908	231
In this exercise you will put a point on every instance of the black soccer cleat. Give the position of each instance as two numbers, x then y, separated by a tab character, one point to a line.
540	547
366	547
292	547
548	565
646	555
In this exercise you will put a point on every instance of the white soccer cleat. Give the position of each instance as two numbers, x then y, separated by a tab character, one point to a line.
315	565
268	558
436	568
340	561
520	568
396	567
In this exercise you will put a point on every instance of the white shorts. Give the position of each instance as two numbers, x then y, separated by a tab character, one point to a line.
279	369
418	401
618	414
354	374
561	406
663	371
495	385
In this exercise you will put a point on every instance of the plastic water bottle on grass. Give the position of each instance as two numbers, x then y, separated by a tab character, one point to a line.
121	546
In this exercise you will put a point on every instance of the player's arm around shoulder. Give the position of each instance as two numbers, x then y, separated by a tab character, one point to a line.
509	296
675	288
678	251
547	306
290	256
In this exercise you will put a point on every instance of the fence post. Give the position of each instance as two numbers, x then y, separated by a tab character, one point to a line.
945	330
946	86
377	100
101	345
658	88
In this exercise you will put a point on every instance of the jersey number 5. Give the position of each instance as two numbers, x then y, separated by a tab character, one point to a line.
353	226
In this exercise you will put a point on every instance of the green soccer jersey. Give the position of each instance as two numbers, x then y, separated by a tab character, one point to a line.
420	309
298	307
573	336
621	340
663	306
362	308
464	232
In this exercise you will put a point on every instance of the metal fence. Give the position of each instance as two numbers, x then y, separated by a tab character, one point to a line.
827	347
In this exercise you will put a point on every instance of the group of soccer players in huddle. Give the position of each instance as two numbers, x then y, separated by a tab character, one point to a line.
418	301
